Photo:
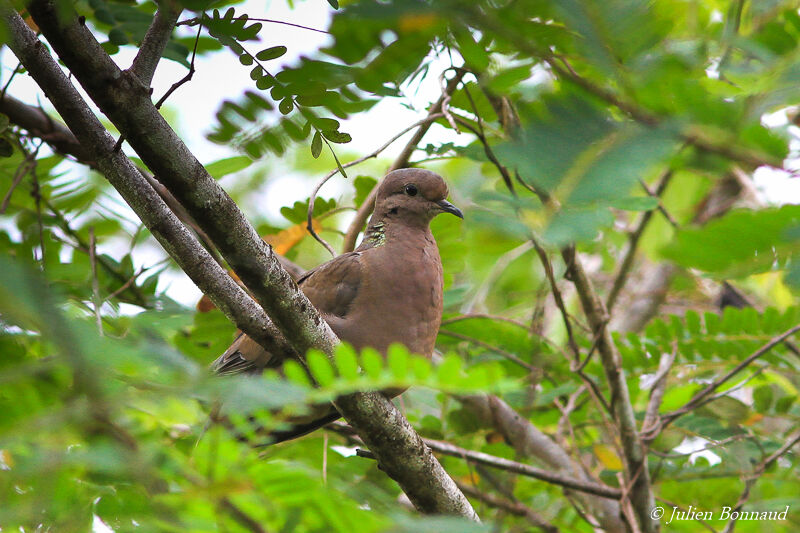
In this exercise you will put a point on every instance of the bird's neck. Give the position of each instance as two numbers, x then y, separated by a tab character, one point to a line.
382	231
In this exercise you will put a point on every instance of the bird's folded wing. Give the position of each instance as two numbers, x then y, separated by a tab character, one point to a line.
244	356
333	286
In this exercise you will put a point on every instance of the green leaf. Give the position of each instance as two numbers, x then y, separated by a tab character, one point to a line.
473	53
320	367
223	167
363	186
316	145
636	203
742	242
372	363
6	148
271	53
286	105
337	137
346	361
398	359
509	79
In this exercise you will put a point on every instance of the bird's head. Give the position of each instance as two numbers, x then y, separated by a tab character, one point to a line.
413	196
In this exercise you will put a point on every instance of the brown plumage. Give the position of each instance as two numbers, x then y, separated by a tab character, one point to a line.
388	290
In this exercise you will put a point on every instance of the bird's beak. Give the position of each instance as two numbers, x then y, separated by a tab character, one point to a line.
447	207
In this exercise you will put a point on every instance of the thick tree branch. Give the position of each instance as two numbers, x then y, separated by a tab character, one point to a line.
39	124
155	40
132	186
126	102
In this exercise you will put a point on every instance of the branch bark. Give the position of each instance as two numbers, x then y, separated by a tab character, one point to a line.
155	41
641	494
121	96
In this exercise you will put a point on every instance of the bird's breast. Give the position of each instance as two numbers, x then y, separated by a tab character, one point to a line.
408	309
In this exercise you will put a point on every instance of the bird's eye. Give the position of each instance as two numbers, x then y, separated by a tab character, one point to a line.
411	190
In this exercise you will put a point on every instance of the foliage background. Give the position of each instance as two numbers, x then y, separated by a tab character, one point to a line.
631	130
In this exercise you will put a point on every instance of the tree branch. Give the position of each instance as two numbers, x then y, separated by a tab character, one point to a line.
132	186
589	487
126	102
514	507
633	243
529	441
446	448
39	124
641	495
155	40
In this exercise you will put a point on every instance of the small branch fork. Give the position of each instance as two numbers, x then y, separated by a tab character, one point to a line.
758	471
446	448
703	397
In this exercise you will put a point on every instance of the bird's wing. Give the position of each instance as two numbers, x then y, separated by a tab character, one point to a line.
331	287
244	356
334	285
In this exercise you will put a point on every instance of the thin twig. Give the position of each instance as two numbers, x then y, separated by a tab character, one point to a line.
711	387
590	487
445	448
189	74
7	84
96	301
194	22
559	300
508	355
633	243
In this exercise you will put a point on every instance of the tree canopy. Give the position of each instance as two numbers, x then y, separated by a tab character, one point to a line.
617	346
